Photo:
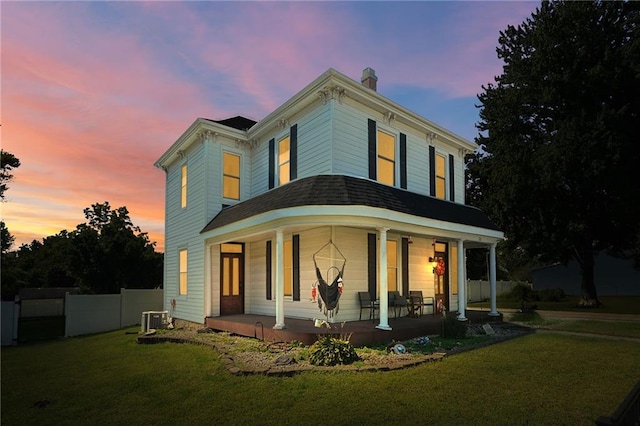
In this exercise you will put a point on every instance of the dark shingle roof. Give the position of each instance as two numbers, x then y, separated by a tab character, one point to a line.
237	122
339	190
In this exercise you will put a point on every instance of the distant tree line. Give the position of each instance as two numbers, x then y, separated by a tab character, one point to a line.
102	255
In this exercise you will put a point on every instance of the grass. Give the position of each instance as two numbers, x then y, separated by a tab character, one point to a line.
611	305
608	328
110	379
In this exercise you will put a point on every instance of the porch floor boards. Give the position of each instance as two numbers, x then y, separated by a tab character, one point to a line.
363	333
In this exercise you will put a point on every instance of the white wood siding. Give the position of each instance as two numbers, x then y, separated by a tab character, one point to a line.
255	280
182	232
459	178
314	142
417	164
214	280
214	158
350	149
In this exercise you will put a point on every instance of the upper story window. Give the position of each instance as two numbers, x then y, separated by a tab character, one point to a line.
441	176
183	186
182	260
386	158
284	160
387	155
231	176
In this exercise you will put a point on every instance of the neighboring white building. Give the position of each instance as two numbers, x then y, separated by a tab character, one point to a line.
337	172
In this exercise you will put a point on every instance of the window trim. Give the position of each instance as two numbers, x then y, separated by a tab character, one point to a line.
278	165
184	173
183	271
239	177
444	177
287	270
396	155
293	271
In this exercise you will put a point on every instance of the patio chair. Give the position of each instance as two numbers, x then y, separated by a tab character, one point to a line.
419	301
367	303
397	302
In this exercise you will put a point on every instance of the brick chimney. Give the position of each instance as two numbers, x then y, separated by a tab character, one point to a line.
369	79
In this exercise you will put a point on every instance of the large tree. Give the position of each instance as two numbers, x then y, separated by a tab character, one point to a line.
112	253
557	168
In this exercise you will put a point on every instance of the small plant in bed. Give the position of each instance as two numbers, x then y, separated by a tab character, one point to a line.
330	351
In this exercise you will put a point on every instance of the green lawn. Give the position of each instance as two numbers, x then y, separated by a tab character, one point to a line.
110	379
608	328
611	305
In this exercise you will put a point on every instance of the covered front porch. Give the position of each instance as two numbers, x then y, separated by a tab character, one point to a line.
363	333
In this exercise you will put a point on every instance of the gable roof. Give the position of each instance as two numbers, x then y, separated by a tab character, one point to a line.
340	190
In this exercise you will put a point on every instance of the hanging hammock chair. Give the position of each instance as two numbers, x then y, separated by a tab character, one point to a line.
329	293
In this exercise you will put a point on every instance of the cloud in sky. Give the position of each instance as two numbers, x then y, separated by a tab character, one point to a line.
94	92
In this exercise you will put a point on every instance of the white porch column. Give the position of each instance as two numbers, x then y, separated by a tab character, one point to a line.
492	280
279	280
384	285
462	290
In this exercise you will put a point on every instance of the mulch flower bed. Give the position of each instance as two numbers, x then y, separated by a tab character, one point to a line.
246	356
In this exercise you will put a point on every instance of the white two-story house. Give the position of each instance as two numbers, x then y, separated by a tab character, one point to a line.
337	180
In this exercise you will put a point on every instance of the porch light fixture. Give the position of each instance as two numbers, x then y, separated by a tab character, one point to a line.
434	262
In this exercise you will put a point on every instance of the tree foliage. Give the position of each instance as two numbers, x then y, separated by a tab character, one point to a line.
104	254
558	135
8	162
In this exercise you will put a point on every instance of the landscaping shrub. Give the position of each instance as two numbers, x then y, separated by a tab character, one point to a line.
453	329
332	351
521	292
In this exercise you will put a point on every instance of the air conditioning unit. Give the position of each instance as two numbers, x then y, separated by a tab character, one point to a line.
153	320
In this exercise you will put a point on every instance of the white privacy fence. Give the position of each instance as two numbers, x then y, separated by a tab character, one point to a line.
10	313
479	290
95	313
83	314
86	314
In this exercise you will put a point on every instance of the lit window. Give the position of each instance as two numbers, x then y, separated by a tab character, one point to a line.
231	176
392	266
441	180
183	187
284	159
183	272
386	158
288	268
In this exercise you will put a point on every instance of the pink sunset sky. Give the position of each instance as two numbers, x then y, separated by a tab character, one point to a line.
94	92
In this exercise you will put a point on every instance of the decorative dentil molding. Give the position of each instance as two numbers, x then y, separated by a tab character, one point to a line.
328	93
